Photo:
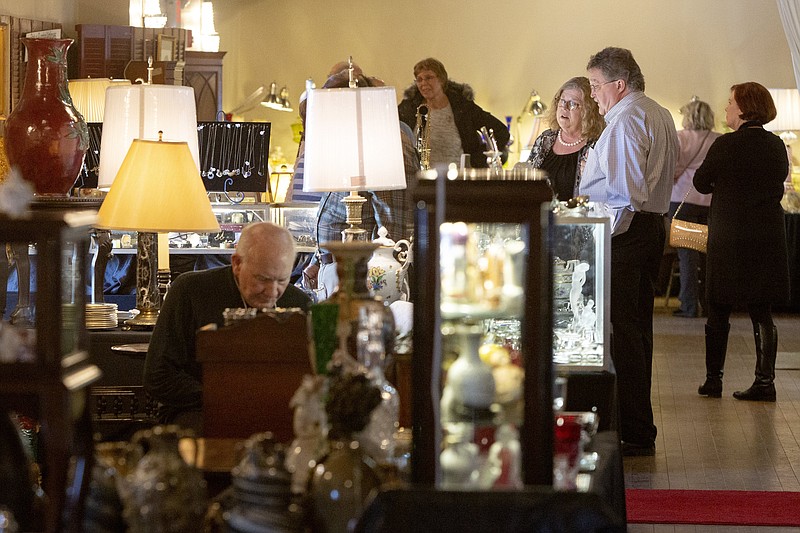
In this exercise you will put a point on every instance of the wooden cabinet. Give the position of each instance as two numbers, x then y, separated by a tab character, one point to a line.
105	51
203	72
52	385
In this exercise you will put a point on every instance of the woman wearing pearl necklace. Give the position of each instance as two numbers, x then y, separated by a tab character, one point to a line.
574	124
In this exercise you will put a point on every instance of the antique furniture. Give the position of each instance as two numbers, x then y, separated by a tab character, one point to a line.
52	386
447	292
251	370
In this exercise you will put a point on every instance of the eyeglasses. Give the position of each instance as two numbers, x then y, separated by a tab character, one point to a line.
596	88
569	105
421	79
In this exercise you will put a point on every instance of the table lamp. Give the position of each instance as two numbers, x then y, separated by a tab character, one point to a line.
158	189
139	112
787	103
353	144
89	96
535	109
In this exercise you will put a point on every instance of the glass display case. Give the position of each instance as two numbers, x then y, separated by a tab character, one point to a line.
300	218
482	357
232	217
44	362
581	288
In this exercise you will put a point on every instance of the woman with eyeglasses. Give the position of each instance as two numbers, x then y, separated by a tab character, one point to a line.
574	124
453	118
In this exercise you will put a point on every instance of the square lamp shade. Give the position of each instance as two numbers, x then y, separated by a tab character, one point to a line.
353	144
787	103
353	141
89	96
141	112
158	189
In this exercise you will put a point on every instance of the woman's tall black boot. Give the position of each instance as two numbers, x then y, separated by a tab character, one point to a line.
763	388
716	348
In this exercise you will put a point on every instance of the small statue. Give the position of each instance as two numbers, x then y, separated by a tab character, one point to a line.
579	270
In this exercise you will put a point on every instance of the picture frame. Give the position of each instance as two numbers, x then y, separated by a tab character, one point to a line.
5	72
166	48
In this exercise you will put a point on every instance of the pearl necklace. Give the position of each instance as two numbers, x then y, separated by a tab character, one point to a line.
576	143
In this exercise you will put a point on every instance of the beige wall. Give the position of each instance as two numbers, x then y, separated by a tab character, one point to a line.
62	11
684	47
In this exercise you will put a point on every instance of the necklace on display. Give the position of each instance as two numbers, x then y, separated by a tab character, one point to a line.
576	143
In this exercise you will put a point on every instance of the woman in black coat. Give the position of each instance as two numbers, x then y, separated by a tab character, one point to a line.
453	117
747	255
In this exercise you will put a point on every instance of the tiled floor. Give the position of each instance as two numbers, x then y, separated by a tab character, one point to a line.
721	444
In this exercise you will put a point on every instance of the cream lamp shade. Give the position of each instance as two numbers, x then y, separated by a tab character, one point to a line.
158	189
89	96
353	140
787	103
141	112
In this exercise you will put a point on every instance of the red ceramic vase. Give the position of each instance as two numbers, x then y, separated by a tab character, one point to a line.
46	137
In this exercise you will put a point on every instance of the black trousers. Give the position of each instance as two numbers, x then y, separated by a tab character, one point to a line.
635	259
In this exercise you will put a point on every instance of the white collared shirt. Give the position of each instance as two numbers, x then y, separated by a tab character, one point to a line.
632	165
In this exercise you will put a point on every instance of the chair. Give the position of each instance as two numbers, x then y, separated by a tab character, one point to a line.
674	273
251	370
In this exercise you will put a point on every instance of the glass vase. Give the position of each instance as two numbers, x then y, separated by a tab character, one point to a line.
340	487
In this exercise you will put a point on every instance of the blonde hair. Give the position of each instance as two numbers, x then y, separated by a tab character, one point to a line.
697	115
592	122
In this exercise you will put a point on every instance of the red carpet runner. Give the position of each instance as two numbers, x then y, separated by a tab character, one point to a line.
717	507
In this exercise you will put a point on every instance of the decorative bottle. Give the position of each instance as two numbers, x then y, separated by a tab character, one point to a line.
164	494
378	437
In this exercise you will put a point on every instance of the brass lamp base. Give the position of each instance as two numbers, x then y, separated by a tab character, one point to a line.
148	299
145	318
353	205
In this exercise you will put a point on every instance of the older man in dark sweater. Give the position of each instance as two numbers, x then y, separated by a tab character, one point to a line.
257	277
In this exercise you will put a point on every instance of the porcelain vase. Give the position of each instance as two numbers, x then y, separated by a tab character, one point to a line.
46	138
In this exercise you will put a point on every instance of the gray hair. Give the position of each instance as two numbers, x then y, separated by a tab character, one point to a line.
266	237
618	64
697	115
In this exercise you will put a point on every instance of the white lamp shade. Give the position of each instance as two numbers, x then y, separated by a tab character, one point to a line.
787	102
158	189
353	141
140	112
89	96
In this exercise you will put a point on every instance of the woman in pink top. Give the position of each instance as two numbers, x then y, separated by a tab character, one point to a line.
695	139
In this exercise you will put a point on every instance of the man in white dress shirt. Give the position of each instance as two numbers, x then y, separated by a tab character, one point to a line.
631	169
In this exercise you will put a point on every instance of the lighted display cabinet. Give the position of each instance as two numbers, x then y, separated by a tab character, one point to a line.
48	381
581	288
300	218
482	360
232	217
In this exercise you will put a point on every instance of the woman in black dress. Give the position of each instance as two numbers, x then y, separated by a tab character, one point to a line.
747	256
574	124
